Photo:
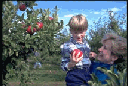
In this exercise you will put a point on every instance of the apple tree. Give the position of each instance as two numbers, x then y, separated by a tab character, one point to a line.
21	37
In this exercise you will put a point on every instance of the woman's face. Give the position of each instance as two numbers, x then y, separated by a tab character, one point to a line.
105	53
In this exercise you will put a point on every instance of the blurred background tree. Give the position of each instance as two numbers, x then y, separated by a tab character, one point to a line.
113	24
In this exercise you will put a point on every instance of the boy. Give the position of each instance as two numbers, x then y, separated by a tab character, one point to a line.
77	69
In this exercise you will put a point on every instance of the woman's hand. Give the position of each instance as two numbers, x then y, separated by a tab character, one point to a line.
92	55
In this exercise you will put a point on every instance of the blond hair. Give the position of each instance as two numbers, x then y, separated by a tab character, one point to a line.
119	44
78	22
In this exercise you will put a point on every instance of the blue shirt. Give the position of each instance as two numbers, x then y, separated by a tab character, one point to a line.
70	45
99	74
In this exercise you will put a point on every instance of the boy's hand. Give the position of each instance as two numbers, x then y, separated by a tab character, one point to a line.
75	58
92	55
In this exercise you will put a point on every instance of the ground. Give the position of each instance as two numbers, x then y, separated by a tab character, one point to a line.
48	75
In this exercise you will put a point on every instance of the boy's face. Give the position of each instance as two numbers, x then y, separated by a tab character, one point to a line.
78	35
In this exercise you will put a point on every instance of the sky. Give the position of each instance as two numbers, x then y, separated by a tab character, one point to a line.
92	10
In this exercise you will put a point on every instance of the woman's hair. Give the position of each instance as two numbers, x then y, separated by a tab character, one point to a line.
119	45
78	22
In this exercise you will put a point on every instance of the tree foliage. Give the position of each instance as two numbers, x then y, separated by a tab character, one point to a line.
18	44
119	79
113	24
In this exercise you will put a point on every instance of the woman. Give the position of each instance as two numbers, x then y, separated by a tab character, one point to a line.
113	51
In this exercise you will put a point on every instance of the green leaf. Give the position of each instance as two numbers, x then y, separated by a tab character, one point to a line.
27	45
123	77
95	79
32	28
112	68
109	82
90	82
14	50
95	84
34	18
13	44
11	52
58	23
16	53
27	36
104	85
34	37
62	23
35	4
41	10
99	84
5	54
22	16
6	43
111	75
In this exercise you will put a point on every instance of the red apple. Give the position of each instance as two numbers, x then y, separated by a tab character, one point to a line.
29	30
50	18
40	25
76	52
22	7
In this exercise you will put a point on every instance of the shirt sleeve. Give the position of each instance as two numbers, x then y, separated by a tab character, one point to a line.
65	53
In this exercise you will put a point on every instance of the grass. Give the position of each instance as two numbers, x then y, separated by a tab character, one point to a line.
40	84
48	75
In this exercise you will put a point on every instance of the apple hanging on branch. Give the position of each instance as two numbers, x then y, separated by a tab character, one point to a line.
39	25
29	30
76	52
22	7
